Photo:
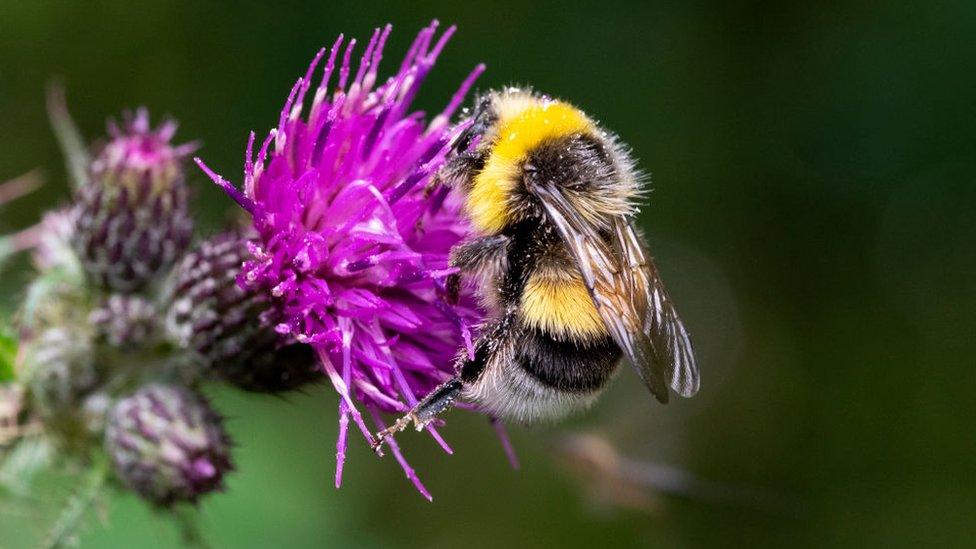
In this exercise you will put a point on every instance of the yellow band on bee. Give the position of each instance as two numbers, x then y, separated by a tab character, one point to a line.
518	134
562	308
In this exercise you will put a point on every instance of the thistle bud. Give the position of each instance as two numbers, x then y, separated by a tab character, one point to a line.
167	444
132	216
54	249
124	320
229	330
59	369
11	407
94	410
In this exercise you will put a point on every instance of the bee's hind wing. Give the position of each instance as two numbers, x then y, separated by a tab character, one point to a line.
615	289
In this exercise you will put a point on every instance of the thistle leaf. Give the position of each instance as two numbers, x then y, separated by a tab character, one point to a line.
22	464
65	529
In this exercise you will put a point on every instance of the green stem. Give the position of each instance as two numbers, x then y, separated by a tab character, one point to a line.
70	519
189	527
72	145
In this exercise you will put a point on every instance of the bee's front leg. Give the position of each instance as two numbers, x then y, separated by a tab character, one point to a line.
425	411
486	256
459	171
469	370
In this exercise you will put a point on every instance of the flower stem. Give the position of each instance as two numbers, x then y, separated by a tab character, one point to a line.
72	145
189	527
70	520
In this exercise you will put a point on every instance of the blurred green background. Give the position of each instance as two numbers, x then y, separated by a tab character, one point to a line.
814	213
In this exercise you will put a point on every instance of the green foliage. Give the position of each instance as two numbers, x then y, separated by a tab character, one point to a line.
8	353
70	520
21	466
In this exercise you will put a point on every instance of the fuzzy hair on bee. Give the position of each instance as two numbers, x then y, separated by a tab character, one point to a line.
558	265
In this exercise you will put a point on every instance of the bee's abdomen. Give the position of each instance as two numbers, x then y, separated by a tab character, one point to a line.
569	366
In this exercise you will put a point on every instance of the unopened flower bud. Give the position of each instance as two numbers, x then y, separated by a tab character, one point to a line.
11	407
54	247
132	216
124	320
59	369
94	410
229	329
167	444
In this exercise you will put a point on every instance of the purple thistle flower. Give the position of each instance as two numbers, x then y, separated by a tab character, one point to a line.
352	244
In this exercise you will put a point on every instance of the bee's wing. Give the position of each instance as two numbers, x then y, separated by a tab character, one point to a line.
616	291
670	341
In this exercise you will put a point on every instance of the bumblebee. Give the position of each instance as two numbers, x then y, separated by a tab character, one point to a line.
560	267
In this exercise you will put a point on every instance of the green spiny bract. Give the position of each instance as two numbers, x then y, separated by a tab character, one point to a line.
61	370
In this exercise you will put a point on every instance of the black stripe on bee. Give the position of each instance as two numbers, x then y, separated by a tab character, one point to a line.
569	366
529	239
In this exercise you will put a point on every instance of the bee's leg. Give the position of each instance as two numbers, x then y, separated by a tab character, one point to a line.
480	252
487	254
458	171
441	398
462	168
425	411
452	287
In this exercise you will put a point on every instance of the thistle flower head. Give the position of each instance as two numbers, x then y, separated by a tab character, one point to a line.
167	444
351	245
131	213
